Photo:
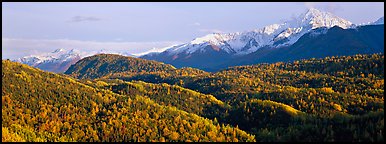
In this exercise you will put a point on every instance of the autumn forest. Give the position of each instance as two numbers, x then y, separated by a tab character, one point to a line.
109	97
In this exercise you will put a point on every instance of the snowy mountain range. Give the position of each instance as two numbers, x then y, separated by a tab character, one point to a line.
57	55
275	35
215	48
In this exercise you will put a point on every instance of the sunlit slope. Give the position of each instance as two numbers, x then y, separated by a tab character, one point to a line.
58	108
107	64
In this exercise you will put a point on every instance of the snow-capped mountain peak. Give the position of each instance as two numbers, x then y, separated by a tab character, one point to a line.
269	29
317	18
56	57
275	35
310	20
214	38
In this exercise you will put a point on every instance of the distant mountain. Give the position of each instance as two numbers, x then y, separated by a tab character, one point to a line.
320	43
56	61
217	47
215	51
379	21
60	60
273	35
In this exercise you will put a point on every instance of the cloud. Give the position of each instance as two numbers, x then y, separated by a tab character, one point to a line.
16	48
83	18
211	30
195	24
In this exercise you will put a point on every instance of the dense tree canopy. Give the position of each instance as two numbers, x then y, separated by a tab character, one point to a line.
42	106
127	99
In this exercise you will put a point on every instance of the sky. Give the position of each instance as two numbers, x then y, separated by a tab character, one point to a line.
39	27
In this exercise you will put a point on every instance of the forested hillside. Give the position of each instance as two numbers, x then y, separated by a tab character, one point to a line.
42	106
329	99
106	64
165	94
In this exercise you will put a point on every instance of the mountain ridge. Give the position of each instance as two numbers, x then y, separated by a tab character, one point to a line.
319	42
241	43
